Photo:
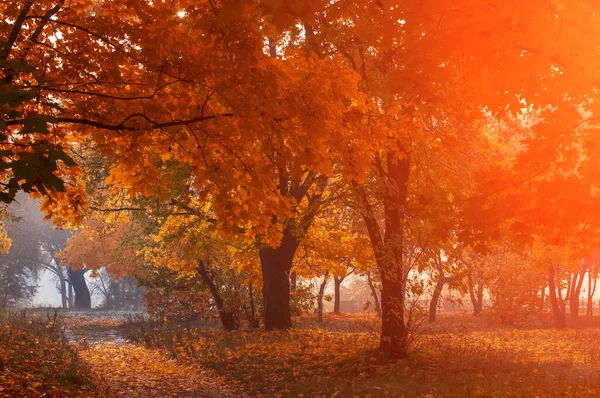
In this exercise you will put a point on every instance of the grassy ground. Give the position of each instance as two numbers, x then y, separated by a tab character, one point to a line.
458	356
36	360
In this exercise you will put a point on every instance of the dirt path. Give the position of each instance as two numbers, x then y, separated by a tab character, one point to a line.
132	370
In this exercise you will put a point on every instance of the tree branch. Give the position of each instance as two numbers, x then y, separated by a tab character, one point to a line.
16	29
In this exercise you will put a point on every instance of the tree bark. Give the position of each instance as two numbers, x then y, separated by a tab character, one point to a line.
476	294
375	295
83	299
276	264
542	298
560	317
63	292
388	249
435	298
591	290
254	321
228	319
71	297
320	297
575	291
337	295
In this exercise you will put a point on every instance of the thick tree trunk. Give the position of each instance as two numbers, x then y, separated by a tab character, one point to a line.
375	295
83	299
560	317
435	298
227	317
337	295
320	297
276	264
394	334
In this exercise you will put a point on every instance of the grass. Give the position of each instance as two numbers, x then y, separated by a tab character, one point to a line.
459	356
36	359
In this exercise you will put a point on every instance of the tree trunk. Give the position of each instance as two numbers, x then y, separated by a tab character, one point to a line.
254	321
592	279
576	284
542	298
320	297
227	317
476	294
478	304
337	295
560	317
276	264
388	249
83	299
435	298
63	292
71	298
394	335
375	295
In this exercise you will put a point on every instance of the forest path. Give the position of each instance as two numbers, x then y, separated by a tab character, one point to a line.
132	370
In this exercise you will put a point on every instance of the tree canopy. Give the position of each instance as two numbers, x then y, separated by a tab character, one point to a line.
221	139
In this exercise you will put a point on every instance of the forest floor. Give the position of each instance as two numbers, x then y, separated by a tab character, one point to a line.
457	356
82	354
106	354
133	370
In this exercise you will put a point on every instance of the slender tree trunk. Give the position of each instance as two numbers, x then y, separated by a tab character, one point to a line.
589	311
227	317
63	292
478	304
254	322
83	299
576	284
476	294
542	298
560	317
320	297
435	298
337	295
375	295
388	249
592	282
71	298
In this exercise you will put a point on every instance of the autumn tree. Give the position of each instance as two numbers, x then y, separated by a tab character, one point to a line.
255	106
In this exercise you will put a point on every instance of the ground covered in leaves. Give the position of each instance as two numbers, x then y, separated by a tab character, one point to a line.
134	370
82	354
458	356
36	360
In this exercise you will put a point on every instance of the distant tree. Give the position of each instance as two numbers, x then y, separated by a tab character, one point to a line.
123	293
35	243
17	283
